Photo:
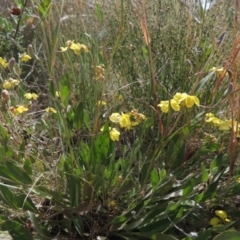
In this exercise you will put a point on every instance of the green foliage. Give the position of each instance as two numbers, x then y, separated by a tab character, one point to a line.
101	157
44	8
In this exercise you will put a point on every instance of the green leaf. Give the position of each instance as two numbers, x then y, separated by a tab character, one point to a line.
84	155
78	223
204	235
8	197
100	150
125	187
204	173
199	197
40	229
64	88
14	173
16	230
86	120
171	206
210	192
26	203
204	81
18	173
154	178
229	235
78	116
44	8
217	162
153	236
179	214
27	166
162	174
189	187
99	12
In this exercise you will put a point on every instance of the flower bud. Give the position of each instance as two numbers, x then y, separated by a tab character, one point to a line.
11	63
31	52
229	90
5	95
120	179
16	11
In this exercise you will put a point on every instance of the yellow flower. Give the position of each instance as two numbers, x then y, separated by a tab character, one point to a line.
63	49
238	180
224	126
57	93
115	117
191	100
179	97
124	121
29	96
112	203
164	105
68	43
51	109
138	117
211	118
213	69
209	115
76	47
222	214
25	57
175	105
215	221
114	134
101	103
99	71
10	83
210	137
3	62
219	71
127	120
18	109
178	100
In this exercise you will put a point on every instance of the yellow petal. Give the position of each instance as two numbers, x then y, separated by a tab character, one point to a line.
3	62
115	117
22	109
50	109
124	121
7	85
179	97
196	100
222	214
84	47
227	220
28	96
215	221
34	96
213	69
101	103
224	126
114	134
164	105
63	49
25	57
189	101
209	114
174	104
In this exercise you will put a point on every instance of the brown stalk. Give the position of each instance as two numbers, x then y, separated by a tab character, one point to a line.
233	140
143	24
